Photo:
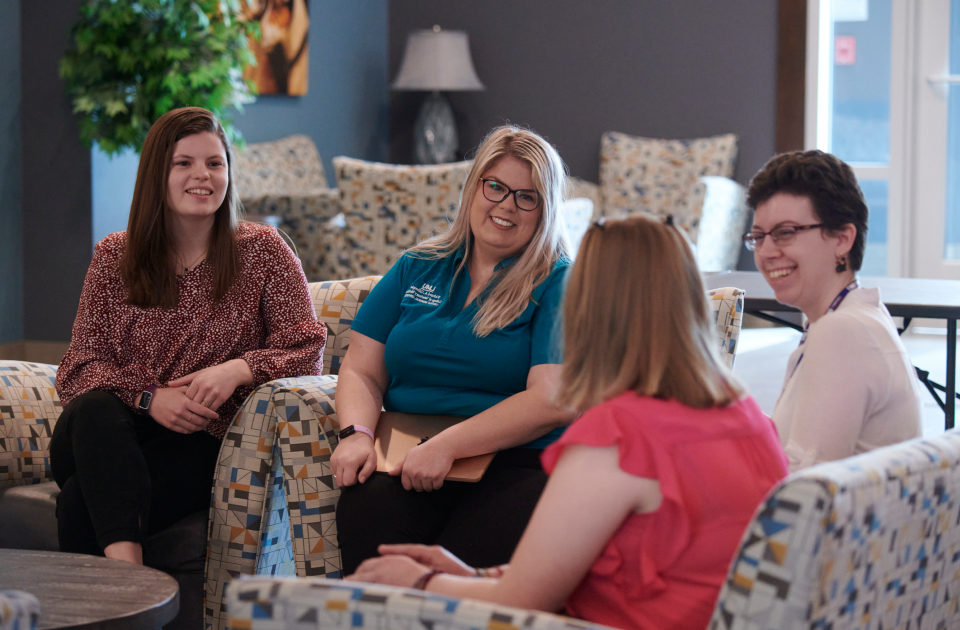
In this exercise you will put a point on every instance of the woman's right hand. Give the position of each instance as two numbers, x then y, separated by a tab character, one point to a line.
171	408
354	460
432	556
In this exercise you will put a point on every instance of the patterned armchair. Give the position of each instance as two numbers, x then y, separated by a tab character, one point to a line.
388	209
872	541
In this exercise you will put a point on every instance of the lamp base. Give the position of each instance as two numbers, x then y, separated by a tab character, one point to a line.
435	133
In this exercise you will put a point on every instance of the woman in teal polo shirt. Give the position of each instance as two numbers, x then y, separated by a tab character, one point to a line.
466	323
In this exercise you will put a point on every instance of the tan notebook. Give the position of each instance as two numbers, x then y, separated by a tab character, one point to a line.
397	433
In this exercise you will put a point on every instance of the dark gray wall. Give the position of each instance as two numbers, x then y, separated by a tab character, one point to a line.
11	224
572	70
56	176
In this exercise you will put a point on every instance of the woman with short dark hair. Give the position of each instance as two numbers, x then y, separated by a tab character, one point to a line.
181	317
849	387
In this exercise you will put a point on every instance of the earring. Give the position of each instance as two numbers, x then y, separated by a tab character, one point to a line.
841	264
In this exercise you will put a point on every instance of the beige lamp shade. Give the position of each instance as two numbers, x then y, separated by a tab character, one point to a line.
437	60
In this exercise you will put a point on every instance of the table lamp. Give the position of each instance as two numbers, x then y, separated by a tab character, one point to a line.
436	60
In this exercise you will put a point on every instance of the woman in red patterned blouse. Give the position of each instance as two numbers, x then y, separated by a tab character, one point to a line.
181	317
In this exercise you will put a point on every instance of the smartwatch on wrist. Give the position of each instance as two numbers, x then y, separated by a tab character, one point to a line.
355	428
146	398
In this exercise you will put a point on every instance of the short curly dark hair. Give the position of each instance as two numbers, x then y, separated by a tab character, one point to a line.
827	181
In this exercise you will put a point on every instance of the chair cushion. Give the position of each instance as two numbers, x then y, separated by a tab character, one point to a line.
576	214
722	224
29	408
336	303
660	177
18	611
28	517
389	208
289	166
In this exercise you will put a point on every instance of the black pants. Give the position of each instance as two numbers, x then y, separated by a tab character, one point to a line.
123	476
481	523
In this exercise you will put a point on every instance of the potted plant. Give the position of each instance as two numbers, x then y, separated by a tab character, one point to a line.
134	61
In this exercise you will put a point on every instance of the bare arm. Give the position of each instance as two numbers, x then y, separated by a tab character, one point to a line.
517	420
587	499
359	398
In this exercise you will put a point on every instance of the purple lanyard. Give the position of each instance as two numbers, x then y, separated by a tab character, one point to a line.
833	306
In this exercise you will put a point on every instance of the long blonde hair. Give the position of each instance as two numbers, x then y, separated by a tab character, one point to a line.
510	288
636	318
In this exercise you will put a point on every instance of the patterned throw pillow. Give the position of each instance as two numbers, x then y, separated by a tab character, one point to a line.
389	209
289	166
660	177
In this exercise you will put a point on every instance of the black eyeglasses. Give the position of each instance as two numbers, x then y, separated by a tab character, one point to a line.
780	235
496	192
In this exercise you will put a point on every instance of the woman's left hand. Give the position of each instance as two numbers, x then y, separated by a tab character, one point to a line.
213	385
392	570
424	466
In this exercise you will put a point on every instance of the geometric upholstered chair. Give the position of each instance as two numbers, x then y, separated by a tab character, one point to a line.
726	304
263	603
871	541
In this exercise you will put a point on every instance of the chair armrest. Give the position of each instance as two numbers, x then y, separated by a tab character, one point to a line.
267	603
274	501
18	611
29	408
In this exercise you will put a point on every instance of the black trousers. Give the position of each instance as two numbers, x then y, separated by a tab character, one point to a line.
481	523
123	476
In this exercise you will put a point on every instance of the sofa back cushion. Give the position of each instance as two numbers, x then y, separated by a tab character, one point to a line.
29	408
336	303
389	209
661	177
289	166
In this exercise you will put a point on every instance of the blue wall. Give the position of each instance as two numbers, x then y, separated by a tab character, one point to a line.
11	221
345	109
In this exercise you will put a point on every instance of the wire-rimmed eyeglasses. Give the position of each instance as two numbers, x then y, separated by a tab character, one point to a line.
493	190
780	235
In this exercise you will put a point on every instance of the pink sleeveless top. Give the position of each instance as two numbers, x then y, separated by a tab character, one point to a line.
664	569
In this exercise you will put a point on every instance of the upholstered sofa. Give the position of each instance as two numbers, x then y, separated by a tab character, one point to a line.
869	542
273	498
375	212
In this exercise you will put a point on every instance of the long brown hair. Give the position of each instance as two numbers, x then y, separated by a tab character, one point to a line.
511	287
145	267
636	318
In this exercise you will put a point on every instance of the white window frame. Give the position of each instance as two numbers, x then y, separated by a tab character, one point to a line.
819	81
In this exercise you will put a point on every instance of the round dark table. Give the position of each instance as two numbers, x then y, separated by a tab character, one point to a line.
90	593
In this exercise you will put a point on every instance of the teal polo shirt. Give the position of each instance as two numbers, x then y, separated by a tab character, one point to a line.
436	364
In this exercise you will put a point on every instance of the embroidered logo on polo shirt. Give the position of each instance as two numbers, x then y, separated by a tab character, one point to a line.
426	294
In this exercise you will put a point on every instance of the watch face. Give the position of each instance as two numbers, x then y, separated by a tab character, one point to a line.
145	399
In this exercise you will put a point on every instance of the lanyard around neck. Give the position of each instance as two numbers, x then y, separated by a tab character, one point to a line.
806	327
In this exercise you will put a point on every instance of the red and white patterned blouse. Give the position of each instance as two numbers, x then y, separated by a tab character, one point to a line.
266	319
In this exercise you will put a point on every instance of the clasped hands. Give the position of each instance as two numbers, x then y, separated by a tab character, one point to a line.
422	469
403	565
189	403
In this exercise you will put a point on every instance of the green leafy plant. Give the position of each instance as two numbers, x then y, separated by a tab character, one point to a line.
135	61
